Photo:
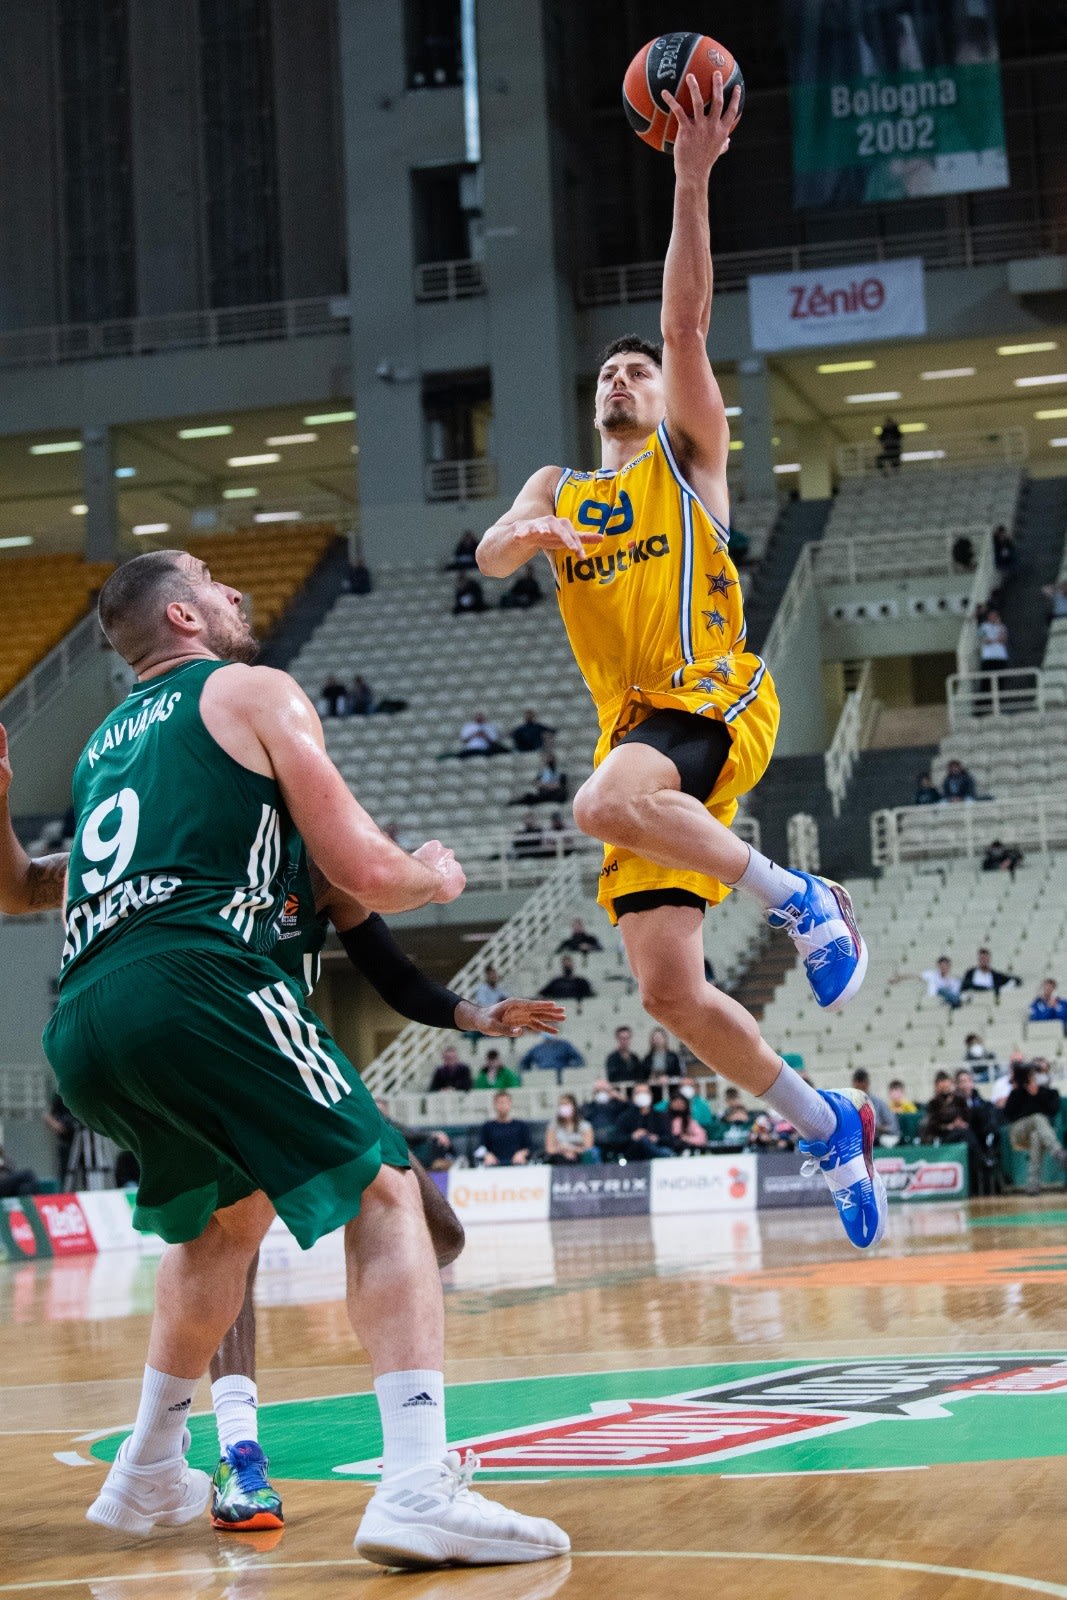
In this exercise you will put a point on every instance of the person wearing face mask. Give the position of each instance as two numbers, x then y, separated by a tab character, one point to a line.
641	1132
699	1109
686	1131
569	1138
602	1111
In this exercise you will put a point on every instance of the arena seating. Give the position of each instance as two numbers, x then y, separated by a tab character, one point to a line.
930	502
268	564
41	598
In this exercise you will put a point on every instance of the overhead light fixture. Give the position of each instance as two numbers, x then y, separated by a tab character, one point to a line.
1058	444
239	494
788	466
737	444
292	438
1054	415
905	427
1027	349
845	366
141	528
61	447
80	510
278	516
1035	383
16	541
324	418
949	372
923	455
733	411
215	430
872	399
265	460
125	472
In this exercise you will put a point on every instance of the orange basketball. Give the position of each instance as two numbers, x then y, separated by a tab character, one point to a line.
663	63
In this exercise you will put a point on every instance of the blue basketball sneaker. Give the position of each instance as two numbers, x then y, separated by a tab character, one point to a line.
846	1161
821	923
242	1498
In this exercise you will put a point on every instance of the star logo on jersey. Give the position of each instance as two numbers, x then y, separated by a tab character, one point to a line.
715	619
719	583
723	668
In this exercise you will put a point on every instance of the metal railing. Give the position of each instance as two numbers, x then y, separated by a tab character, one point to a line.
919	833
789	615
182	330
802	842
840	759
961	247
461	480
985	573
994	694
940	453
51	675
449	280
894	555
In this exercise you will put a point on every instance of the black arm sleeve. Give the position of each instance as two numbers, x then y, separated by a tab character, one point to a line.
373	951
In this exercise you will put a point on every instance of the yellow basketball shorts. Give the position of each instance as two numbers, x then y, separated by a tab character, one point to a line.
752	734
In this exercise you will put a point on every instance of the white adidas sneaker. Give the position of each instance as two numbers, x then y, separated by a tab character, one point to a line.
431	1517
136	1499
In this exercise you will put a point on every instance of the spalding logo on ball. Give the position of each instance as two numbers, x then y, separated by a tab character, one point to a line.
663	63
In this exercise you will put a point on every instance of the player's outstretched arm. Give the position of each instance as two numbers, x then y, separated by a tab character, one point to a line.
25	885
696	416
265	721
529	526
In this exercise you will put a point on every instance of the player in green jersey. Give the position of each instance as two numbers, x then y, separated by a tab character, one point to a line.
176	1036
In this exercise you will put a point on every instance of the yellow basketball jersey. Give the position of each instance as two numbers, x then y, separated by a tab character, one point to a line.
656	604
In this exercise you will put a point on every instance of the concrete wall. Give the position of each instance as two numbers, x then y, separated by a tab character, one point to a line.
29	961
803	729
44	753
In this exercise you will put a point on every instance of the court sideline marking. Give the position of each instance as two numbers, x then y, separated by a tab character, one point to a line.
1003	1579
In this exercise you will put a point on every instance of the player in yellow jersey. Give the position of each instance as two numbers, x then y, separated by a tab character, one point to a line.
688	716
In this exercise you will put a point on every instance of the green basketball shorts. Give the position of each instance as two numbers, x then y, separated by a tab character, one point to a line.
209	1067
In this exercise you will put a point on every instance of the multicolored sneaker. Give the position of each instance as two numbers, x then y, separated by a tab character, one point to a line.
821	923
846	1161
242	1499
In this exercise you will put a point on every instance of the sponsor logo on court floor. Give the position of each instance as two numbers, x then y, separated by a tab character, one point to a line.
798	1417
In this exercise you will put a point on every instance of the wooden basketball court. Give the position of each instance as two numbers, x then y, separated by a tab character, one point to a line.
722	1406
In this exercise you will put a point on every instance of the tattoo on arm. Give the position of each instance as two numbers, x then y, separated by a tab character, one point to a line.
46	883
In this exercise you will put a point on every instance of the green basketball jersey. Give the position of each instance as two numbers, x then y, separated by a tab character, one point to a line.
301	932
176	845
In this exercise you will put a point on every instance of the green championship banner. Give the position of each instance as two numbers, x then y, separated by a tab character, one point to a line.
894	100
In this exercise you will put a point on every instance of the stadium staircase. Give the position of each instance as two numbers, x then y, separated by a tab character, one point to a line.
1039	535
801	522
308	607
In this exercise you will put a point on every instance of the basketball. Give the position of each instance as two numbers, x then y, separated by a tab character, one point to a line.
662	64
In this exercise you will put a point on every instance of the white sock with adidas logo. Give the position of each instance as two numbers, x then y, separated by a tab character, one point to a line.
236	1402
161	1418
412	1406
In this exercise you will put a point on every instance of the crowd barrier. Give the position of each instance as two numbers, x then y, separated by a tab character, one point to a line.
36	1227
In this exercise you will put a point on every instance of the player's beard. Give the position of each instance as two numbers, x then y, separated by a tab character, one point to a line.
620	416
232	639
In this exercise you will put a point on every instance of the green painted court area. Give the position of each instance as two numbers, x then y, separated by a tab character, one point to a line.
743	1418
1020	1219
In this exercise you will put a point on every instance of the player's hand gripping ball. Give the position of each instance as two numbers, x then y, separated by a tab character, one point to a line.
664	64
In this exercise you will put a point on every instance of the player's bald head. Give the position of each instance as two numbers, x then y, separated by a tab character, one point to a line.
133	602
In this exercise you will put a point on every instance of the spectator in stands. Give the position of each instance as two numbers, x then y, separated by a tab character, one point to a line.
926	791
983	1121
333	700
735	1118
1001	858
550	784
963	554
661	1059
530	734
765	1134
984	976
993	641
686	1132
642	1133
569	1137
495	1075
1005	1080
892	441
1005	556
567	984
946	1120
580	942
523	593
622	1065
469	597
1030	1111
360	697
1057	593
602	1110
431	1146
359	580
490	991
452	1073
480	737
529	841
465	555
699	1108
557	824
886	1126
15	1180
552	1055
504	1140
958	784
899	1103
940	981
976	1051
61	1121
1047	1006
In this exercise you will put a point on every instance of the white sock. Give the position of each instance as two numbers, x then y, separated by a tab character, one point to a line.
412	1405
236	1402
767	882
161	1418
797	1102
